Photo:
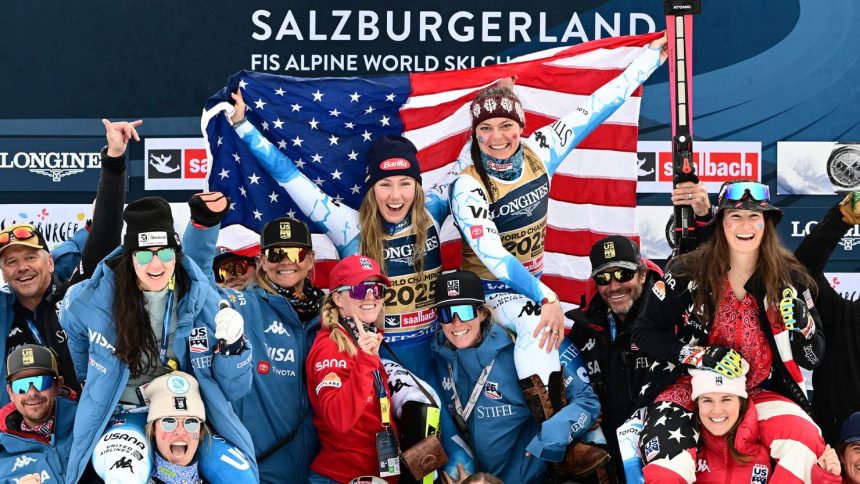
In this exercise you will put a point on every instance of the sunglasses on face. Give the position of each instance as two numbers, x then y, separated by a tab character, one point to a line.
169	424
235	268
620	275
466	312
736	191
17	233
39	382
293	254
359	291
144	257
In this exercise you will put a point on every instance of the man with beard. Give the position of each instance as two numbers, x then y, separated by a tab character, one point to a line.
602	328
36	426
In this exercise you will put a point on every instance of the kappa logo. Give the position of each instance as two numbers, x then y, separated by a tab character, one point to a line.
590	344
491	390
447	384
22	461
702	466
453	288
123	463
15	330
277	328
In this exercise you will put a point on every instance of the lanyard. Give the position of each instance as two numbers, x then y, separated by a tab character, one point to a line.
384	403
612	327
35	331
465	413
165	335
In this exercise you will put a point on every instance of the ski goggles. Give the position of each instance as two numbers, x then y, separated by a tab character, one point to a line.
466	312
39	382
169	424
293	254
736	191
22	233
620	275
144	257
235	268
359	291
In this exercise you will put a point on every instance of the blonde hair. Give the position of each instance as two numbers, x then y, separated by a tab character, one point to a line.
371	223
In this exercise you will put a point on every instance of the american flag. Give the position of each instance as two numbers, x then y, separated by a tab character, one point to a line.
327	124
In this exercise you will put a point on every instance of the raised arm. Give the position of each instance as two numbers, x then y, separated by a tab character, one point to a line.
339	221
554	142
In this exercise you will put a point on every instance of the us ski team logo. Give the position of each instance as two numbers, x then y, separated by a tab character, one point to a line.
491	390
453	288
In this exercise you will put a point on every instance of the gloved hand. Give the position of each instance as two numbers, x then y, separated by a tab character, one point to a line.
850	208
721	359
795	313
229	325
207	209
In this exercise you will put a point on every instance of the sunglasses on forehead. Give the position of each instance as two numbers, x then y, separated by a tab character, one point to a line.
620	275
359	291
39	382
466	312
144	257
736	191
170	424
235	268
293	254
18	233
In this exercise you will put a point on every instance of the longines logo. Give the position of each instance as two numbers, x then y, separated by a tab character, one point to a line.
848	242
51	164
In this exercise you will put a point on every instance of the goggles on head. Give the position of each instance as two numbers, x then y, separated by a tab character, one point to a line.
39	382
23	232
359	291
144	257
235	268
736	191
293	254
620	275
466	312
169	424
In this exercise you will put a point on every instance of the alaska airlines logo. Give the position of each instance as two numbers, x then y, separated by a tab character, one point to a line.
524	204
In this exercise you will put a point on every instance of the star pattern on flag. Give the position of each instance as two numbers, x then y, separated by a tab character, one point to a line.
676	434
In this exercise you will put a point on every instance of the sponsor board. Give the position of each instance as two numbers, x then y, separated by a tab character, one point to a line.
716	162
847	284
817	167
53	164
175	163
798	221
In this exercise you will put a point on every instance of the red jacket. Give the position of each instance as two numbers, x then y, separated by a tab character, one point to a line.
716	465
346	409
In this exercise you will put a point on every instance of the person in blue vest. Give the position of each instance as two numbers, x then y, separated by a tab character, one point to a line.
36	425
148	310
281	307
475	362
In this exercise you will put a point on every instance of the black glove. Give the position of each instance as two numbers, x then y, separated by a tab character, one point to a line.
721	359
207	209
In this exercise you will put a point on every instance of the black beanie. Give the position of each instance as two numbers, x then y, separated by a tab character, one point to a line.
392	156
149	223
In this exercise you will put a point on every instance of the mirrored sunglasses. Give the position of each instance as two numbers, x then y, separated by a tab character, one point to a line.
293	254
466	312
736	191
144	257
359	291
620	275
18	233
169	424
39	382
235	268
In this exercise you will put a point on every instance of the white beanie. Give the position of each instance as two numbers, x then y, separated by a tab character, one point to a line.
174	394
709	381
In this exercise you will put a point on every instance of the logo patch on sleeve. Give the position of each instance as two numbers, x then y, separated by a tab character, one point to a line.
476	232
659	290
198	341
330	380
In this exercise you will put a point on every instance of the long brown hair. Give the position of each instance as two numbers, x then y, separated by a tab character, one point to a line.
371	222
776	267
135	339
732	433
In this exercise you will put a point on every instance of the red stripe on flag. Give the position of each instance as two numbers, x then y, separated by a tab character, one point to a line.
573	242
596	191
568	289
443	152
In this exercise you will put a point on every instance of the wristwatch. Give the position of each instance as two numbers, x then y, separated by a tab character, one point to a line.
551	298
